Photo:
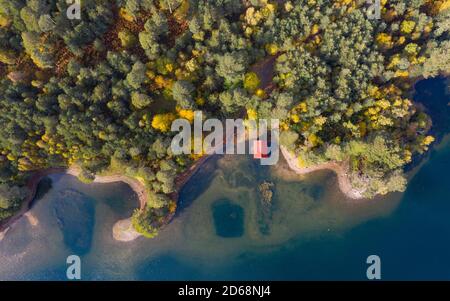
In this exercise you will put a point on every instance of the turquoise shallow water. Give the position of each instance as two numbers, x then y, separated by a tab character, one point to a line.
222	231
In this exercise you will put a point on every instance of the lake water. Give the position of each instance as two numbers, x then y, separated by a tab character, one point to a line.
222	230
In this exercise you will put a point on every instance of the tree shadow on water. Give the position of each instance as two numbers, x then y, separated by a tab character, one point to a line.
44	186
197	184
433	95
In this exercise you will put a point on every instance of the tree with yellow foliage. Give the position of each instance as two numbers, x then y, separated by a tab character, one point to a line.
163	122
384	40
186	114
407	26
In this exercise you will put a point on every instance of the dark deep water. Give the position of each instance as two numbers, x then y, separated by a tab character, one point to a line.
228	218
315	234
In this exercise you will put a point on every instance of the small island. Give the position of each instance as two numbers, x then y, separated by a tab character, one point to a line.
95	97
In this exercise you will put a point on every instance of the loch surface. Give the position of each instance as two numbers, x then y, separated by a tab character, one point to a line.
223	230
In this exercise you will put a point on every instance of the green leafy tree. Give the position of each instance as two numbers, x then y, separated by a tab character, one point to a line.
182	92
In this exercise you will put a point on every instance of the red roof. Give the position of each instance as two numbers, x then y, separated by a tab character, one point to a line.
260	149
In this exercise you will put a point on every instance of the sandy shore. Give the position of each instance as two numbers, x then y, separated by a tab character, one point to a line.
31	219
122	230
137	186
3	233
343	180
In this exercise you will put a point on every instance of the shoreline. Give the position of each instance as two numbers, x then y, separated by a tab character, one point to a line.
341	173
32	184
122	230
181	180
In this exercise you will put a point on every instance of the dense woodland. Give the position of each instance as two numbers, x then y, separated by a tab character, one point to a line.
101	92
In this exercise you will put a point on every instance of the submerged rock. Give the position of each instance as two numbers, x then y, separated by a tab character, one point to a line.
75	214
265	206
228	218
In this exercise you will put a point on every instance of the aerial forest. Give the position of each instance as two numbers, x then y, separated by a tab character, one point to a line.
100	92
